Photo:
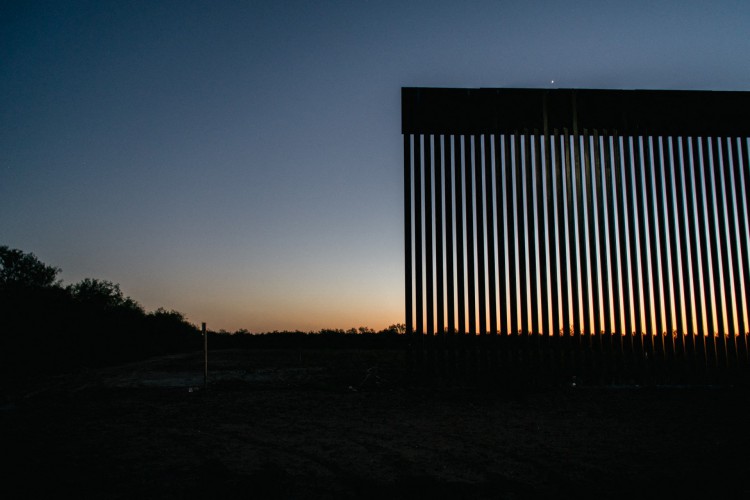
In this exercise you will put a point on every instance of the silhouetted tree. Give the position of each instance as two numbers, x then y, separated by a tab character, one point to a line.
48	327
396	328
168	315
24	269
103	294
332	331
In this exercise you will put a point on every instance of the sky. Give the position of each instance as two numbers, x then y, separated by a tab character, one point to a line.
242	163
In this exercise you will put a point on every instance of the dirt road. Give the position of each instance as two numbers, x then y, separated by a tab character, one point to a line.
343	424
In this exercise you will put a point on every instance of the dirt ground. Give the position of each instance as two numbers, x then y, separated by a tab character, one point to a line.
346	424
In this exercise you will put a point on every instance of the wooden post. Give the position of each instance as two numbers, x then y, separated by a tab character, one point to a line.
205	355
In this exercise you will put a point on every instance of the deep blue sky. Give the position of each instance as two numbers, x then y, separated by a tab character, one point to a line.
241	162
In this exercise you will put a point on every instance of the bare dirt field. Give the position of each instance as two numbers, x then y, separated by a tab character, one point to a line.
352	424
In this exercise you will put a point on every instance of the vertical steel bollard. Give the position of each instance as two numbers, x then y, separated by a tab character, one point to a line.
205	355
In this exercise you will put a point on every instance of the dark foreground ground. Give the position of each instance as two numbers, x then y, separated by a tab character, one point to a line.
312	424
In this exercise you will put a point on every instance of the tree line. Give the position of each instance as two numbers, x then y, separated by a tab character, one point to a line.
47	326
354	338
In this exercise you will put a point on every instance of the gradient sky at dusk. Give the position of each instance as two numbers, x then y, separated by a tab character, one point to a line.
241	162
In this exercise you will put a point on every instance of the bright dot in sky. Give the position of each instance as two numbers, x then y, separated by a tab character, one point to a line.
552	81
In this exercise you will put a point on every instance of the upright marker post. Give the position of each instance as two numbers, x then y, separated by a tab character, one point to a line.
205	356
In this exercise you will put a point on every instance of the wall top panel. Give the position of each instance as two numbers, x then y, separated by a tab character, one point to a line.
627	112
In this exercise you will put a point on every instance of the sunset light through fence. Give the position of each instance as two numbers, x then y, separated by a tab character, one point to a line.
577	212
